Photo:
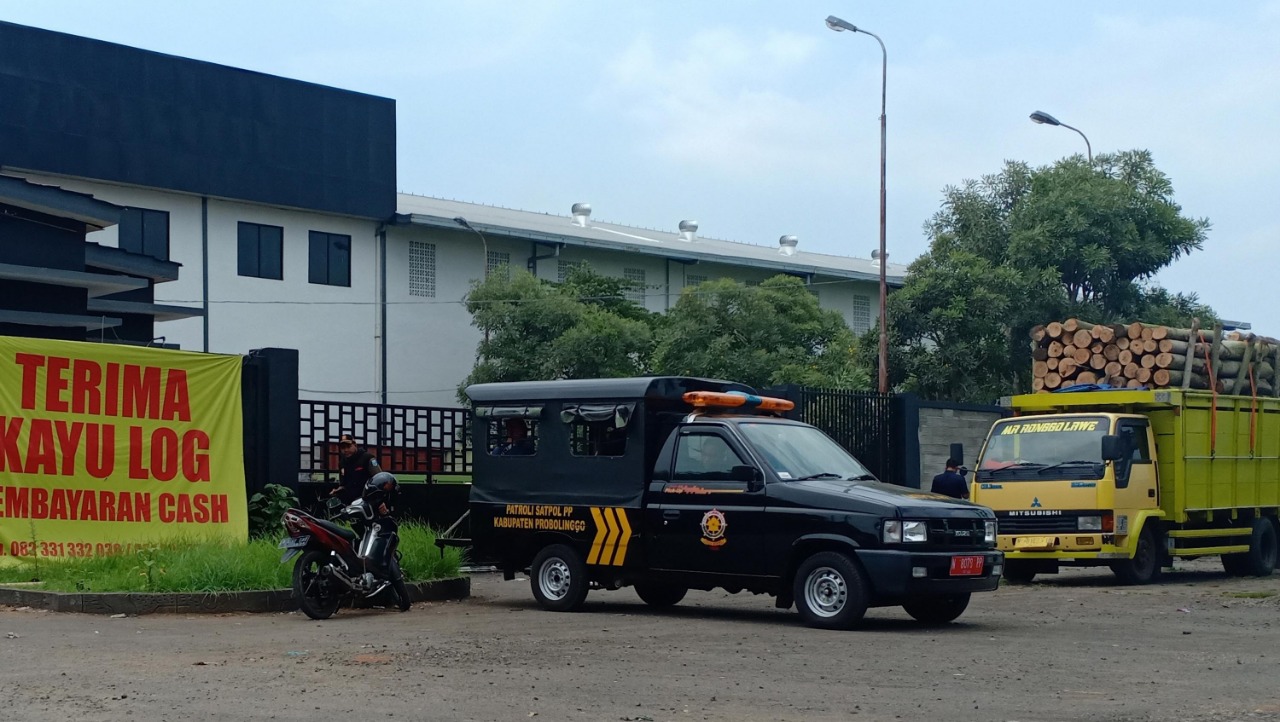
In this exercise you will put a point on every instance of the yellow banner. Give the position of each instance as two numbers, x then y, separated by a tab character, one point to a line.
105	447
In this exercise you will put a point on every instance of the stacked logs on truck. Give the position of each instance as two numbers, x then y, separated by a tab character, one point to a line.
1145	356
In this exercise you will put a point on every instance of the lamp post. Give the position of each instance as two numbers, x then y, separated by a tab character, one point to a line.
840	26
1044	118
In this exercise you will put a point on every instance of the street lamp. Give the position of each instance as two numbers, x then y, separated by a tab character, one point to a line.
1044	118
840	26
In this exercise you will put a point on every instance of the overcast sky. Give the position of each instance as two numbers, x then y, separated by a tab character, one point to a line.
757	121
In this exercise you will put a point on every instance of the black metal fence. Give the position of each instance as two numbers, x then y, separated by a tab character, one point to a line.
869	425
413	442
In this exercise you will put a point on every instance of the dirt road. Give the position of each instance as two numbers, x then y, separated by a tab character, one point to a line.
1199	646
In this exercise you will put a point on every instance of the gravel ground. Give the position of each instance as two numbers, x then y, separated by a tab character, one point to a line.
1199	646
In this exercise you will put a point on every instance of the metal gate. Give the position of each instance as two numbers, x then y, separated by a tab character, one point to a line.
867	424
413	442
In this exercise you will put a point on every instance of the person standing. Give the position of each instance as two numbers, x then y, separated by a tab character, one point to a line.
951	482
356	467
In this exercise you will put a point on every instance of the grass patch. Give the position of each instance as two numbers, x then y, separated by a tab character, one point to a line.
1251	595
207	567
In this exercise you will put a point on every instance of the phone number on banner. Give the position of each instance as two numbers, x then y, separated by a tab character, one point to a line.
65	549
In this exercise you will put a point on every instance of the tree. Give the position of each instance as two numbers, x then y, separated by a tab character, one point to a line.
1025	246
772	333
535	330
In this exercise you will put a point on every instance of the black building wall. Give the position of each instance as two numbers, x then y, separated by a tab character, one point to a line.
28	238
93	109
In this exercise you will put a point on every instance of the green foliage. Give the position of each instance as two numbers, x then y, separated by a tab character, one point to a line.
773	333
211	566
266	507
1026	246
584	328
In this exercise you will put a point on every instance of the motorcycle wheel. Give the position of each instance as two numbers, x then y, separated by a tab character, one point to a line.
316	595
398	585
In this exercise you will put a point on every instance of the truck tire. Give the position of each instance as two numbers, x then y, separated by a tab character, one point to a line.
1261	558
1144	567
830	591
558	578
659	595
937	610
1019	572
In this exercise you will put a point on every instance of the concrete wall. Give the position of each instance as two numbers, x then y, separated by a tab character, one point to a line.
944	424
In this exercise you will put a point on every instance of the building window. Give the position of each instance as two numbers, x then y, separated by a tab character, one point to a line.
691	280
261	251
861	313
330	261
562	270
422	269
146	232
496	260
635	276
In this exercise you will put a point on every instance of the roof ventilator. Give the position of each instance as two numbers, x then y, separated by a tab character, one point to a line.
688	229
581	212
787	245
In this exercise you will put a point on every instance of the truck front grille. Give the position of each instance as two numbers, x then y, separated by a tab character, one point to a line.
957	532
1050	522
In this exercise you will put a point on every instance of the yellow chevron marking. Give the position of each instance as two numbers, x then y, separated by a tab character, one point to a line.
611	541
598	542
621	554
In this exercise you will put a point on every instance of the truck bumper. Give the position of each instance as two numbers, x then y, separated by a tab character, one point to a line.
897	574
1082	547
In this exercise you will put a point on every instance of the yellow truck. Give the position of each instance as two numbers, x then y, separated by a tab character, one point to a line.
1132	479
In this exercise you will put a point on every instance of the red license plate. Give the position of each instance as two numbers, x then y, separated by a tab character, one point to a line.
967	566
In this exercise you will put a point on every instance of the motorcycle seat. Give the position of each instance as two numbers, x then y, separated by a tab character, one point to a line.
343	532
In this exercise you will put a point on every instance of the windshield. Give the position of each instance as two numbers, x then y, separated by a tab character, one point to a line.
802	452
1019	449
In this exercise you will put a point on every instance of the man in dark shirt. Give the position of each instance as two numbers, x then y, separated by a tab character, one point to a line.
950	482
355	468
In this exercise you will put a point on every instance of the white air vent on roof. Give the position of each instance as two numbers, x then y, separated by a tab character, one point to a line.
688	229
581	212
787	245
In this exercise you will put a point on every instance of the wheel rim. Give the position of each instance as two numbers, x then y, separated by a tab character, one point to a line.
554	579
314	585
825	592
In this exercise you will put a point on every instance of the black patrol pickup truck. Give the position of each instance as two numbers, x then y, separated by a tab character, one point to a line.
670	483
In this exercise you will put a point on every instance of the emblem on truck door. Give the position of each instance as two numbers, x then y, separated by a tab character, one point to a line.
713	527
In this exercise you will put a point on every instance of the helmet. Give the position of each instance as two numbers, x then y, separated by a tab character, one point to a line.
380	487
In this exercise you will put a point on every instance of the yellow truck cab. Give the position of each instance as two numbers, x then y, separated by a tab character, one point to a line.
1132	479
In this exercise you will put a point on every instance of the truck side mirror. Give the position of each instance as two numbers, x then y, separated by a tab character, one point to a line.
749	474
1112	448
957	452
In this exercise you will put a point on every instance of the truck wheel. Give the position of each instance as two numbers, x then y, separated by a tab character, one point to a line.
660	595
1144	567
1018	572
1261	559
1236	565
937	610
558	578
830	592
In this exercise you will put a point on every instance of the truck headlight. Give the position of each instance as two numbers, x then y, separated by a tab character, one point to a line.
897	532
892	532
915	531
1089	523
989	531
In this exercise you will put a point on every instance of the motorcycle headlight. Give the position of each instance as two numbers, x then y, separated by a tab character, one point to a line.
989	531
1089	523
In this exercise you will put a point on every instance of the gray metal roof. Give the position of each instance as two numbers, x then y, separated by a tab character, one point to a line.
97	284
547	228
55	201
670	387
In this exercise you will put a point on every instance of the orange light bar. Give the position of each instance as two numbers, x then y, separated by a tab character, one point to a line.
734	399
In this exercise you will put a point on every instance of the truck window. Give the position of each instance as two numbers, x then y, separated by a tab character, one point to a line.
705	457
1133	433
512	436
1018	448
596	438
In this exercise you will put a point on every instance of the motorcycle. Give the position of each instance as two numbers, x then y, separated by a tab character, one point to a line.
338	564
